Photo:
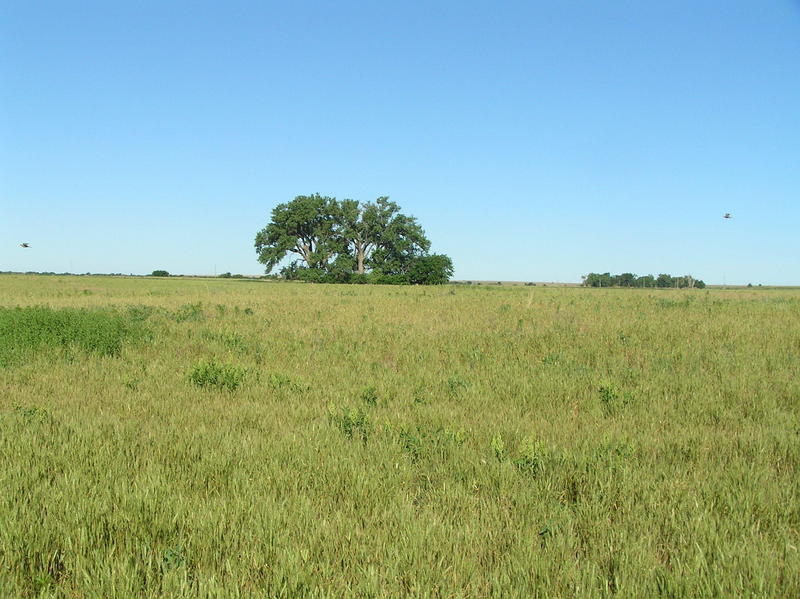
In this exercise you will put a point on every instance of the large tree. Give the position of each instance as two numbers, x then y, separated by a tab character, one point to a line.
306	226
379	229
349	241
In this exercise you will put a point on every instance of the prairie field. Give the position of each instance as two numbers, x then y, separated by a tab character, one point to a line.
234	438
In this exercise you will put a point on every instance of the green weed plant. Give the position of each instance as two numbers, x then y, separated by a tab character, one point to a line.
212	374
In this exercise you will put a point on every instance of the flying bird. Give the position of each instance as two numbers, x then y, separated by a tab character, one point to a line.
727	215
24	245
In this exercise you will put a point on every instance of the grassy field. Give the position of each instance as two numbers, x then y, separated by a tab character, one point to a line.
209	438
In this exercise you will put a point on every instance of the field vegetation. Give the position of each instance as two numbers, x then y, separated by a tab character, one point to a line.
235	438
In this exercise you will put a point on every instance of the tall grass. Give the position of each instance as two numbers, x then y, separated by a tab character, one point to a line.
448	442
26	330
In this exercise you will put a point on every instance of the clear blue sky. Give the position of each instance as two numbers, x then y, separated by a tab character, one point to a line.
532	140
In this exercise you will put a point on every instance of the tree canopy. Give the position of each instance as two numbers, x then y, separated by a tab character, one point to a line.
304	226
349	241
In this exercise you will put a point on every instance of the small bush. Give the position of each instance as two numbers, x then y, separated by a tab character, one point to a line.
159	273
499	448
213	374
433	443
458	437
455	385
283	383
608	394
189	312
551	358
612	399
230	340
412	444
353	423
140	313
531	459
370	396
174	557
420	396
34	414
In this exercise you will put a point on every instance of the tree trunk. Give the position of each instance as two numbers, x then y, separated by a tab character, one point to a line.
360	254
306	253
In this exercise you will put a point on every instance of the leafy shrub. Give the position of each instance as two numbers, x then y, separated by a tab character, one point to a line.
33	414
458	437
551	358
611	398
531	459
189	312
412	444
608	394
232	341
174	557
437	443
455	385
159	273
499	448
140	313
353	423
434	269
131	383
283	383
379	278
370	396
214	374
420	396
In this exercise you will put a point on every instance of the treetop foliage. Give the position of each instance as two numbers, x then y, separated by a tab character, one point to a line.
349	242
304	226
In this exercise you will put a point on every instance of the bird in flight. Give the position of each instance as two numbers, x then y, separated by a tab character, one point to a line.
727	215
24	245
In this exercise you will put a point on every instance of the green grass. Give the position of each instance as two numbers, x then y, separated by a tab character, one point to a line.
27	330
462	441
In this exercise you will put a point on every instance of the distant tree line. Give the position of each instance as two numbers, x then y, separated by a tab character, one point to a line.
349	242
628	279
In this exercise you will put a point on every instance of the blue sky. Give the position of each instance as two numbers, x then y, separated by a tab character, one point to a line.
532	140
